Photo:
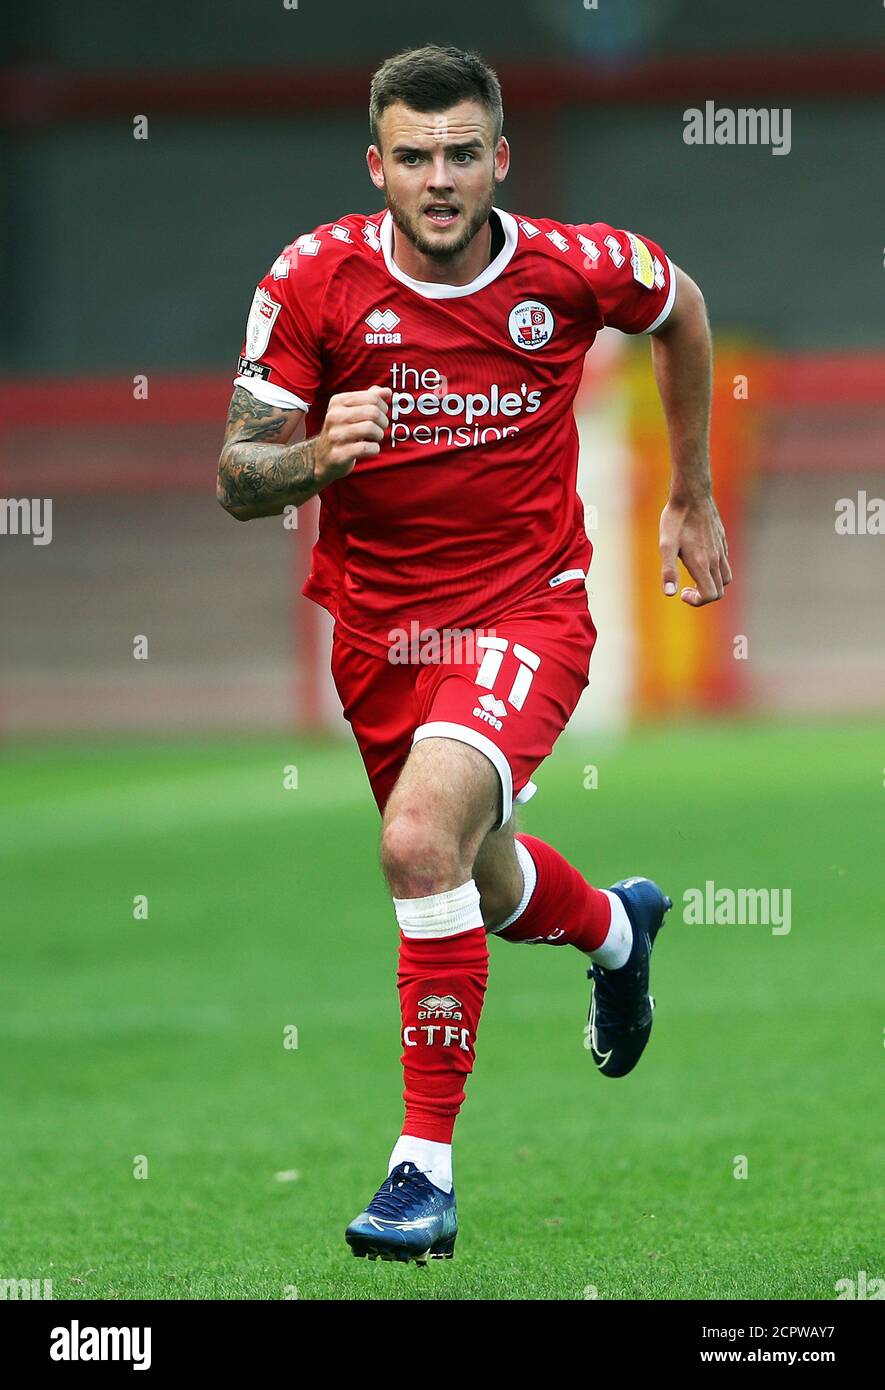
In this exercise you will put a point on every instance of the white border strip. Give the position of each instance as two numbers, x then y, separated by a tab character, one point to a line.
565	575
442	728
431	290
525	795
529	880
276	396
671	300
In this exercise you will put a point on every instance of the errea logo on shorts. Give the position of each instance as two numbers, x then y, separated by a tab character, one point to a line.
493	710
382	322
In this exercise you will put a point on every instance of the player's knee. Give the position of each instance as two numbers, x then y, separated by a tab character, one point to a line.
419	856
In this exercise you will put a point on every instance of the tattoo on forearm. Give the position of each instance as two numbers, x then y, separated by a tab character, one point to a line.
268	476
258	471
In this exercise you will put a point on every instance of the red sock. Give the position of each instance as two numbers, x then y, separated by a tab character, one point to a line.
442	982
563	910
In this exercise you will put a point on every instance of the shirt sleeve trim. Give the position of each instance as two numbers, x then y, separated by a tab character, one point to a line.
270	394
671	300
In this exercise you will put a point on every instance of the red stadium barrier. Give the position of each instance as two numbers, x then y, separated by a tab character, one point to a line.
95	438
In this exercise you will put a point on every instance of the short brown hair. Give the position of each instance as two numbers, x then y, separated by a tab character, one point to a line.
433	78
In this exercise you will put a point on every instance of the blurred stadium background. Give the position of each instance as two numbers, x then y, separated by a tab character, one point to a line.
128	268
132	258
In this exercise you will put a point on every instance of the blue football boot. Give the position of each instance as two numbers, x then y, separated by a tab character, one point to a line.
621	1008
407	1219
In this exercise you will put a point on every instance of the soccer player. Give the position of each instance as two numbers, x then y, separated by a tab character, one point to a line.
417	367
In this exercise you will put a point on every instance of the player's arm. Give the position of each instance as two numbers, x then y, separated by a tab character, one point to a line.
266	463
691	530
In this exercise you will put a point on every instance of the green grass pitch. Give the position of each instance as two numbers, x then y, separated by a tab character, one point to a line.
164	1037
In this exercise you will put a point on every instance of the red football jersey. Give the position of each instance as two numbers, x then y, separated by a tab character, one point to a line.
470	508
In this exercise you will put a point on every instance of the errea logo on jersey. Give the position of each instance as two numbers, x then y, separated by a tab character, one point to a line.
382	322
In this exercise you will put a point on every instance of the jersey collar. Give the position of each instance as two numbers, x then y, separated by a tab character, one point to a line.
432	290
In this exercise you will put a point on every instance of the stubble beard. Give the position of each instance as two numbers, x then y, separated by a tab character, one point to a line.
443	253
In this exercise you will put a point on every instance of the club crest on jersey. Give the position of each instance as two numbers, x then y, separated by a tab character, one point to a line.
530	324
382	323
262	317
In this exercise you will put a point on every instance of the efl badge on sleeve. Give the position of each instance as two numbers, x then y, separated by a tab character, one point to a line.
641	261
262	317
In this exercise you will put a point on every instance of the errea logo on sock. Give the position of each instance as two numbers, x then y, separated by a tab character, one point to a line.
439	1006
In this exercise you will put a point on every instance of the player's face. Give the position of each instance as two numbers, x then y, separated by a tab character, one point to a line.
438	171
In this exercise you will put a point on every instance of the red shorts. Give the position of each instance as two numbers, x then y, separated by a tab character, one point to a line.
508	691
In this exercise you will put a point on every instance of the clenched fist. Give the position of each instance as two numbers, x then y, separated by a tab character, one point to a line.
352	430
